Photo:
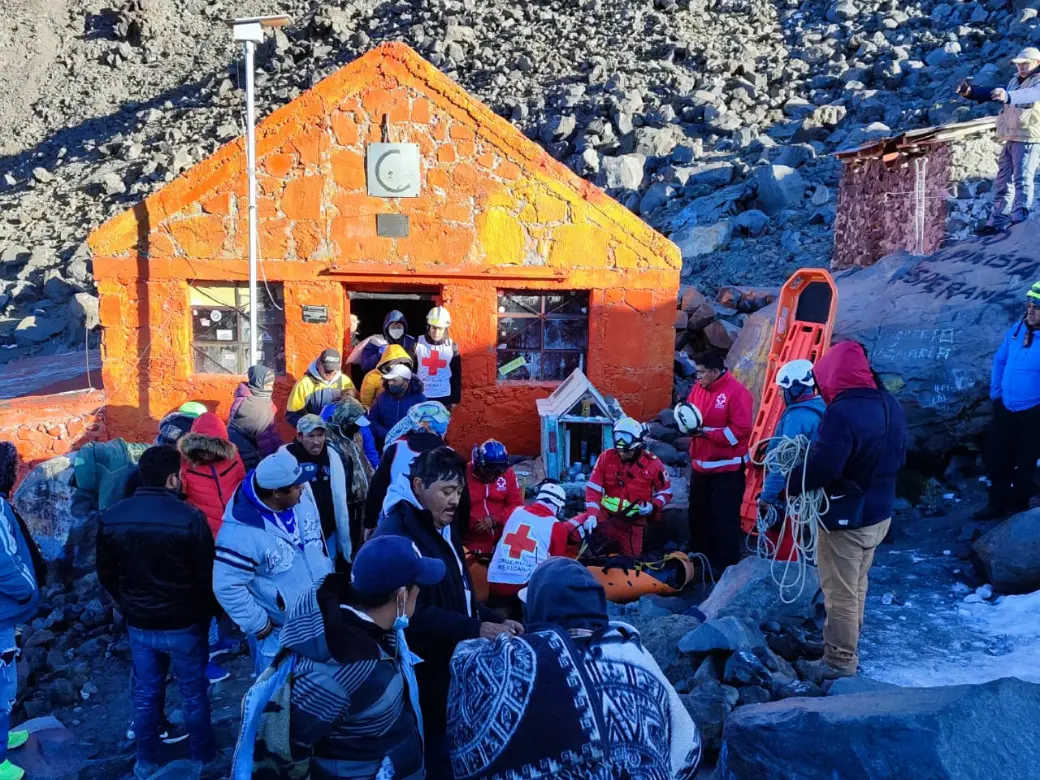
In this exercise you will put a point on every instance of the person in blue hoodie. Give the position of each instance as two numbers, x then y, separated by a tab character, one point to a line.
802	414
395	331
1014	435
19	597
401	391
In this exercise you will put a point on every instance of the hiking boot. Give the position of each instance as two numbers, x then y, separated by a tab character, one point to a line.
145	769
819	672
15	739
216	673
9	771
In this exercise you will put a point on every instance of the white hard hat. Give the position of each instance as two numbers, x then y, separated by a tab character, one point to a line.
688	417
796	371
438	318
552	493
629	433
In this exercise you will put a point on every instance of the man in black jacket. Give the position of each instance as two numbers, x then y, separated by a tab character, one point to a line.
446	613
155	557
856	456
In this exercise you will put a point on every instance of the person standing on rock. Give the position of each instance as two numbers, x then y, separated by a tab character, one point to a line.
20	572
1018	127
270	550
155	558
322	385
1014	435
437	360
628	487
859	449
719	454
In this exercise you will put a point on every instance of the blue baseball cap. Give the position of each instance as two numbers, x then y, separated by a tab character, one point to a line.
387	563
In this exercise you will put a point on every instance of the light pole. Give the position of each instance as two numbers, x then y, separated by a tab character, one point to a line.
250	31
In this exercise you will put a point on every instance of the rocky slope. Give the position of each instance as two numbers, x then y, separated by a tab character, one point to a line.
713	120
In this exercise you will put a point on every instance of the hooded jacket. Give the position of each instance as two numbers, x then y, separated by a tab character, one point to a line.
19	591
389	409
1015	379
211	468
726	407
390	481
349	704
260	569
373	351
446	613
373	381
853	442
251	425
337	478
495	499
313	393
802	418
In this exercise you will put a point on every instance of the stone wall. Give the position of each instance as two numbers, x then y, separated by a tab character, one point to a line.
876	207
44	427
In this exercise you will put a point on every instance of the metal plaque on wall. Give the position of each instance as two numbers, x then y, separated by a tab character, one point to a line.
393	170
315	314
392	225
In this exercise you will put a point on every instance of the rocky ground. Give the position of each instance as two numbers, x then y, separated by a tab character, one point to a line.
712	120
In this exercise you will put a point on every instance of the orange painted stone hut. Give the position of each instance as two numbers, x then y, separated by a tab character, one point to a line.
541	271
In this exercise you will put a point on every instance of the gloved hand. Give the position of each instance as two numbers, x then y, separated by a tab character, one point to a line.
642	509
587	527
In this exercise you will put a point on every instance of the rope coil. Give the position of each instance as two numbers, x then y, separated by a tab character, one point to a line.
801	516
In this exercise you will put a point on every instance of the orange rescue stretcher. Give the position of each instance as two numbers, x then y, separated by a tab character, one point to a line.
805	314
624	579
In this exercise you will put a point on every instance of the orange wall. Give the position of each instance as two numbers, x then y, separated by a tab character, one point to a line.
496	212
44	427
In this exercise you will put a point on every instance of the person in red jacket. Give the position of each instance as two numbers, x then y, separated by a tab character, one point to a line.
494	493
627	487
719	452
211	470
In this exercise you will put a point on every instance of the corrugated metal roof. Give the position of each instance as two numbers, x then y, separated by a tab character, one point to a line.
904	143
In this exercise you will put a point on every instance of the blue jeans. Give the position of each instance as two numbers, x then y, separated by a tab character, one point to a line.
8	685
152	653
1016	166
263	651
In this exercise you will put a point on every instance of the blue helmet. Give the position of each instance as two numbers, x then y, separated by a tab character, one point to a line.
490	455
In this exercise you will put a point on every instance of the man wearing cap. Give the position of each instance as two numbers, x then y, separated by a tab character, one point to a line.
1018	127
270	549
320	386
1014	435
354	702
401	391
329	486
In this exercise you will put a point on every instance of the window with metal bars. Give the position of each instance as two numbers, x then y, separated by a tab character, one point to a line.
542	336
220	327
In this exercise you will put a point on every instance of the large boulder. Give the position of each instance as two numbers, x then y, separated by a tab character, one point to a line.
959	732
58	515
660	636
1009	555
747	590
931	327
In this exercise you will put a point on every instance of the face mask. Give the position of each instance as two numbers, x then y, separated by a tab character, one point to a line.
397	389
395	331
407	661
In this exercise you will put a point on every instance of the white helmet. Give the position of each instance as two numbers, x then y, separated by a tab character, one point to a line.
795	372
438	318
629	434
553	494
688	417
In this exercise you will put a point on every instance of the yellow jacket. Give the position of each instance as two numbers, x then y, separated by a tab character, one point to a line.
313	393
373	381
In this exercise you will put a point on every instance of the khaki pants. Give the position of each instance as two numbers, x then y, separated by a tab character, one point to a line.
844	559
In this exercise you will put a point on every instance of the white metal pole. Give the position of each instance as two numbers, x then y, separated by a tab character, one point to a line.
254	332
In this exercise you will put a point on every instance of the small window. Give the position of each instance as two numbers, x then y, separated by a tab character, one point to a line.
220	327
541	336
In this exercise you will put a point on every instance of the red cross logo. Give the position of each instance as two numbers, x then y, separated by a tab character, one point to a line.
434	362
520	541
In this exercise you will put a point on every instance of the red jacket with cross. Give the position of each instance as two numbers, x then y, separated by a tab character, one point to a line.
726	407
496	499
644	480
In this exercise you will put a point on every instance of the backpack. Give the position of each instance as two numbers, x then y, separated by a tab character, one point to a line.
102	468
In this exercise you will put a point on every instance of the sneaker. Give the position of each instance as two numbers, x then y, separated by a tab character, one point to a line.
15	739
9	771
144	769
216	673
222	647
168	733
819	672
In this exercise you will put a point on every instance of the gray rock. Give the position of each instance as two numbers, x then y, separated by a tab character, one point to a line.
715	174
746	667
846	685
83	310
751	222
112	184
667	453
1009	555
709	706
660	636
42	175
62	526
624	172
14	255
656	196
721	334
699	240
725	634
779	187
38	328
747	590
558	128
753	694
954	732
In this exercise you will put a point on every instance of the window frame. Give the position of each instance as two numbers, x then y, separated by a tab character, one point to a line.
545	318
272	298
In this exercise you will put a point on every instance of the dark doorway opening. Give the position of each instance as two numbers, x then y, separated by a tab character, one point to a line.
371	308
